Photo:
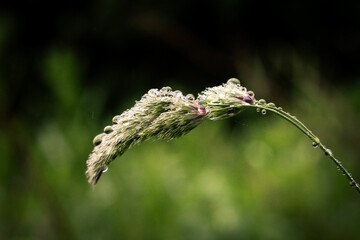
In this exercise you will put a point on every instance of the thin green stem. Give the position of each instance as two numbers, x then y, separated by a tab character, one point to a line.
261	105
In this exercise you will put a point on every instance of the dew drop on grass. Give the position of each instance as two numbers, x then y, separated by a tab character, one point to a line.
258	109
96	142
105	170
328	152
108	129
116	119
271	104
251	93
263	112
352	183
233	81
166	89
315	144
262	102
178	93
190	97
152	92
98	139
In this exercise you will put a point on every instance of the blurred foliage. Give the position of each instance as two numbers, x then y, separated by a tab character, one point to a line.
250	177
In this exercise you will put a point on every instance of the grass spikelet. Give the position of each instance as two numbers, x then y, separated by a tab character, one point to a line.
167	114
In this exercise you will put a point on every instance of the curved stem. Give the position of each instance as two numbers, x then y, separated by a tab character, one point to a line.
263	106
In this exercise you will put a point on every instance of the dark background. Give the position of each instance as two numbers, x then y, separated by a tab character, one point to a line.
68	67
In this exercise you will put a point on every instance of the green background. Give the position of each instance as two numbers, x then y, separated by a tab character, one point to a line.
67	68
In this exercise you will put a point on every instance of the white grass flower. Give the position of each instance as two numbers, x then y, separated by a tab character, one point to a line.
160	114
167	114
226	100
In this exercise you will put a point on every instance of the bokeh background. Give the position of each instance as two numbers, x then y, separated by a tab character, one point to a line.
67	67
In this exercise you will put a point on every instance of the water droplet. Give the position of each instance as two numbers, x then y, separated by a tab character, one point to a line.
251	93
261	102
258	109
243	89
263	111
98	139
116	119
108	129
315	144
271	104
105	169
233	81
280	108
178	93
190	97
152	92
166	89
328	152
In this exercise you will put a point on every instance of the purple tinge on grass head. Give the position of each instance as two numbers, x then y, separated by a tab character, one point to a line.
160	114
164	114
226	100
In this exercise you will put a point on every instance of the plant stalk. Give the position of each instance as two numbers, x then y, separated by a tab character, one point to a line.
262	106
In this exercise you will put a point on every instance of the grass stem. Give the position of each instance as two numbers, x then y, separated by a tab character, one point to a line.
262	106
